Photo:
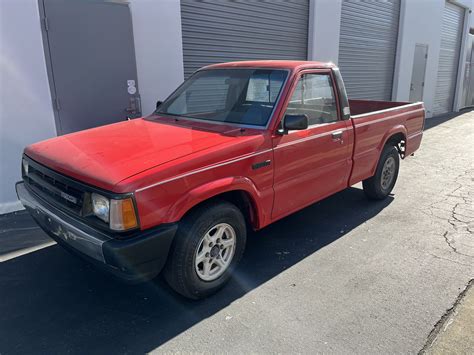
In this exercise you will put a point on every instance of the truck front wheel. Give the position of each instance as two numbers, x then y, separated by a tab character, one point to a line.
381	184
207	247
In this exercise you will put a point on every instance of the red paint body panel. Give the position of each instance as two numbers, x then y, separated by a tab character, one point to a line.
310	160
294	65
106	155
172	165
372	130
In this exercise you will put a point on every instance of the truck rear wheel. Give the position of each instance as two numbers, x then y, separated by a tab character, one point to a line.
208	246
381	184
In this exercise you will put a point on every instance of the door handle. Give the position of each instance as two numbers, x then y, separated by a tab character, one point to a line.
337	135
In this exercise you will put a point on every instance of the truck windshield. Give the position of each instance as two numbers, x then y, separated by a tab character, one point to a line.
242	96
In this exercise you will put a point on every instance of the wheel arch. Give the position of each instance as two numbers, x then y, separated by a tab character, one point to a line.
240	191
397	136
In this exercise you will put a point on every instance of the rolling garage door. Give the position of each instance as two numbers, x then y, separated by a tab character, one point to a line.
222	31
368	46
451	34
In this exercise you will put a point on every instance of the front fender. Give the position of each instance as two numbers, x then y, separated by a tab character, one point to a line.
211	189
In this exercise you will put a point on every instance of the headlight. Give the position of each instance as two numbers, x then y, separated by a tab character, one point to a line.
120	214
100	206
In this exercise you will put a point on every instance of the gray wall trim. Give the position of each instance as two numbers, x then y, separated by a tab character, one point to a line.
49	65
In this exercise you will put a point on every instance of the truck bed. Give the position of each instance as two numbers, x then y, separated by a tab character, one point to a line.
360	107
375	121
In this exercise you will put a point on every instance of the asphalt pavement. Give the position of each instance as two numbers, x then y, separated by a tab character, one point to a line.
345	275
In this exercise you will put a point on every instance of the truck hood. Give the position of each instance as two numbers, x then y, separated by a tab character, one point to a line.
106	155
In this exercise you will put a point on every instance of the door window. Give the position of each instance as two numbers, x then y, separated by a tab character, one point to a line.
314	96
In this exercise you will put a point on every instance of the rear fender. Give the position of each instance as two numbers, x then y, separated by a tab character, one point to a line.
393	131
389	134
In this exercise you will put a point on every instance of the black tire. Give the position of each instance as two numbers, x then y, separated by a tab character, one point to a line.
373	186
179	271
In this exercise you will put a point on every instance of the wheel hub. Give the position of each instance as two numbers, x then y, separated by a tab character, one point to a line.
388	173
215	252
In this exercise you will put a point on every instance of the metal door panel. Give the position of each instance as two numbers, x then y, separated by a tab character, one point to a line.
418	73
368	46
451	34
310	164
92	58
222	31
468	82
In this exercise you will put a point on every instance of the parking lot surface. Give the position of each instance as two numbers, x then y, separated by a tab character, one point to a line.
345	275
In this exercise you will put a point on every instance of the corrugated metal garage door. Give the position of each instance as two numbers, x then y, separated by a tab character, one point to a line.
222	31
368	46
451	34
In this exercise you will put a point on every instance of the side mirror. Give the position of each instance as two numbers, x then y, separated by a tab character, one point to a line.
158	104
295	122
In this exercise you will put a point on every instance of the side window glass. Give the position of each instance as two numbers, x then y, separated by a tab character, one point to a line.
314	96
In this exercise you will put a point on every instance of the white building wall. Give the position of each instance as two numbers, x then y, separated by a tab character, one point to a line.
324	29
26	114
420	22
158	49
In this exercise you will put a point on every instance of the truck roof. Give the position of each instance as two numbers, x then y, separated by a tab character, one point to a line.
274	64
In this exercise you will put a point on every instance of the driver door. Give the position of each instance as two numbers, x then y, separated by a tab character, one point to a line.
314	163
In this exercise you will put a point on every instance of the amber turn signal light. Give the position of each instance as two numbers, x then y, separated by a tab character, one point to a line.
122	214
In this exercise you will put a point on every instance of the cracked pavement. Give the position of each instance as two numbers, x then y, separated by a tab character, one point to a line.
345	275
453	207
456	212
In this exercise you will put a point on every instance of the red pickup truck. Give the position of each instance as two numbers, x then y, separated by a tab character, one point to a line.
236	146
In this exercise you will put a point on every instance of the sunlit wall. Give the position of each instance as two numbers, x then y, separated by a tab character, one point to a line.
26	113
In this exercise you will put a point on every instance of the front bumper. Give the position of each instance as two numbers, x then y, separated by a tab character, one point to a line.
137	258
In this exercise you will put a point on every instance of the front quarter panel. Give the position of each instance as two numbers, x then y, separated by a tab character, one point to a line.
207	191
175	190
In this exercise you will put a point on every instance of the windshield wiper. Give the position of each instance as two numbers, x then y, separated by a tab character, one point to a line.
168	114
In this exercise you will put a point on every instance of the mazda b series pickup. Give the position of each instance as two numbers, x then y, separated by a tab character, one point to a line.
236	147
